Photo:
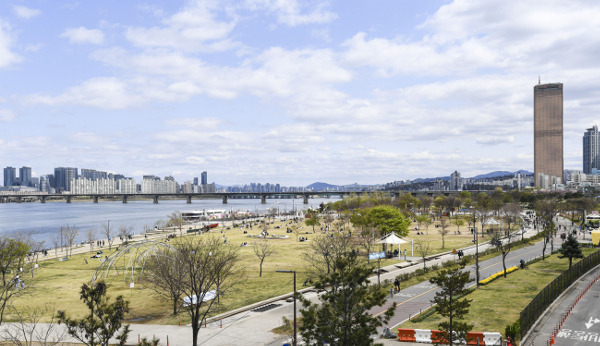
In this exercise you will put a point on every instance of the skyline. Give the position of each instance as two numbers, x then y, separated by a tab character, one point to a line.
293	92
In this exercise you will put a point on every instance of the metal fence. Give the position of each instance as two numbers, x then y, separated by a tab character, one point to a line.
539	304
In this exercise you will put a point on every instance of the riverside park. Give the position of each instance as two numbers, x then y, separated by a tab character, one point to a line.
430	230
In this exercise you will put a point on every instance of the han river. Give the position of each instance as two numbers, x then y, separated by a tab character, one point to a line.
45	219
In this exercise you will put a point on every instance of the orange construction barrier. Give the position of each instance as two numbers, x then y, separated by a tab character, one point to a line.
437	337
407	335
473	337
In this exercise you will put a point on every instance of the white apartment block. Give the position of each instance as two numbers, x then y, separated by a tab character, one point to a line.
159	186
127	186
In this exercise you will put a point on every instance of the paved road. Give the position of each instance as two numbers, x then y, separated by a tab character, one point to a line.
582	326
411	300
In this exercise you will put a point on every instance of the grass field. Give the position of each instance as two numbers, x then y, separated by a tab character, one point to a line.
499	303
58	282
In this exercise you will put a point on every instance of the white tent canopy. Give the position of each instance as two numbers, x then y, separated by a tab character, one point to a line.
492	222
392	238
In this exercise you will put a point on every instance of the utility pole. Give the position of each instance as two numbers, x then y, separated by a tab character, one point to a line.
295	341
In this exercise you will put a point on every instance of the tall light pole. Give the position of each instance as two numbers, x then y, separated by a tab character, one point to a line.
292	271
476	241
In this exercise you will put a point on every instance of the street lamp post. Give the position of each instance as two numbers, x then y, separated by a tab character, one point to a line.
476	241
292	271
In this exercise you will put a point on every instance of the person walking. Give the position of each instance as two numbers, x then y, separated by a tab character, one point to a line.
397	285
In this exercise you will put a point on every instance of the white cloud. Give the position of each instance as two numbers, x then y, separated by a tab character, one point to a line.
494	140
101	92
195	27
26	12
6	115
7	57
83	35
291	12
198	124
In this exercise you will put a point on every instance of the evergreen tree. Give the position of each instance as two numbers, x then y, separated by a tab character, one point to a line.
570	249
342	317
104	318
452	283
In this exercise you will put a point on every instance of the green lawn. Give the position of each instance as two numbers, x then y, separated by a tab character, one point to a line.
59	283
499	303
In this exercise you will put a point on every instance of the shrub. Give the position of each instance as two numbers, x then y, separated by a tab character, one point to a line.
512	331
497	275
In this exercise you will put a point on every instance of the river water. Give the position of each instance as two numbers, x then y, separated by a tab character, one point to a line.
45	219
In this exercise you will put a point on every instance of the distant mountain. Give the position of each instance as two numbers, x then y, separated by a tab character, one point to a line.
499	174
321	186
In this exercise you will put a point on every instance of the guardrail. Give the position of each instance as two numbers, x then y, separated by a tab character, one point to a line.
540	303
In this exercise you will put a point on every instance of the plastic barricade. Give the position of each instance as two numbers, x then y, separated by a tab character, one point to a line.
407	335
494	339
423	335
473	337
437	336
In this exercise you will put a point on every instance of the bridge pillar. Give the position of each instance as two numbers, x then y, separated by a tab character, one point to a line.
68	199
189	199
43	199
155	199
125	199
95	199
19	199
224	199
263	199
305	199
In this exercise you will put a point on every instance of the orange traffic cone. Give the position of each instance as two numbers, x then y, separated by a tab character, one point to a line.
552	340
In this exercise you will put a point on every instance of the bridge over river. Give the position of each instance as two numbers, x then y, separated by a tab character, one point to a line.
155	197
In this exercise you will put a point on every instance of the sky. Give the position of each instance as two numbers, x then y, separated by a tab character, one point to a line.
291	91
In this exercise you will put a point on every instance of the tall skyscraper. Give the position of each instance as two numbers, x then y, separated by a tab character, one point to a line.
548	134
204	178
63	177
591	150
10	176
25	176
455	181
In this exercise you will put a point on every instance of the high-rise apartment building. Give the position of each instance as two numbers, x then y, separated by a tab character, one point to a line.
63	177
548	133
10	176
25	176
455	181
591	150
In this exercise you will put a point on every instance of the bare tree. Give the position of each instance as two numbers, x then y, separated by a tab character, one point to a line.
55	238
90	234
262	250
176	220
108	233
423	248
208	264
165	272
70	233
328	219
545	209
498	242
28	330
511	213
324	250
443	231
125	232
